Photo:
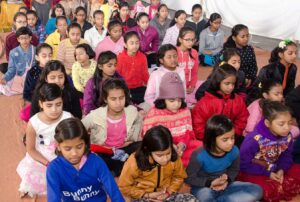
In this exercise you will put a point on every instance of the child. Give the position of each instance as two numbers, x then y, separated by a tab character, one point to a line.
57	11
148	36
161	22
211	40
114	42
154	172
167	62
171	111
106	68
58	35
93	179
11	41
42	8
55	72
188	61
152	9
40	144
36	26
80	18
239	39
281	67
212	170
197	22
21	59
124	18
230	56
97	33
176	24
108	9
115	126
43	54
131	61
84	67
221	99
66	47
266	155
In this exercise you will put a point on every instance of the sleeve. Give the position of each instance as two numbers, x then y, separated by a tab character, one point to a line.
178	177
254	117
87	37
234	169
119	65
76	77
202	42
28	87
201	90
252	68
285	160
108	182
240	121
167	38
88	100
60	52
194	70
155	41
53	185
49	27
12	67
151	90
200	115
87	121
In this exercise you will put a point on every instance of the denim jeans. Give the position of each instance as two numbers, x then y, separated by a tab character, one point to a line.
235	192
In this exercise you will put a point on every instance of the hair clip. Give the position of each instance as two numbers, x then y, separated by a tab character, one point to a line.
260	85
284	43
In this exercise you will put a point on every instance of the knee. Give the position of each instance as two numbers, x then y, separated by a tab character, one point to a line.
204	194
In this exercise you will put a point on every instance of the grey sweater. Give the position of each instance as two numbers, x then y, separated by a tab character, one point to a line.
212	41
161	29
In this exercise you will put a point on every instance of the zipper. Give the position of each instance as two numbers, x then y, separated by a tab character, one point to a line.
158	178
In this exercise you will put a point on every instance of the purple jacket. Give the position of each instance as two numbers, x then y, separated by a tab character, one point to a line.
89	97
149	40
261	145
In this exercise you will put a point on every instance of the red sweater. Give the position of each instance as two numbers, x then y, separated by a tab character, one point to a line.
211	104
134	69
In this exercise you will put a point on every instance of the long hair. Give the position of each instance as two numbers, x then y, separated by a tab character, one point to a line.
275	52
177	14
230	43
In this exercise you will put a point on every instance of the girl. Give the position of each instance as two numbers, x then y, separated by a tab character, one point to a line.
114	42
161	22
58	35
115	126
124	18
239	39
97	33
80	18
55	72
281	67
230	56
221	99
211	40
171	111
43	54
106	68
167	62
188	61
212	170
176	24
66	47
148	36
84	67
58	10
131	61
108	9
71	138
197	22
154	172
40	144
266	155
152	9
36	26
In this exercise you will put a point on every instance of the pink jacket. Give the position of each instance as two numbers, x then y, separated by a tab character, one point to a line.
189	65
108	45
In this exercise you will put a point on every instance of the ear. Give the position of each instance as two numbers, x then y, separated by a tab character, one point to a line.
99	66
125	45
234	38
161	61
265	95
280	55
267	123
36	58
40	104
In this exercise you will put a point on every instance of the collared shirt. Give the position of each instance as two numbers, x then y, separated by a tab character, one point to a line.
93	37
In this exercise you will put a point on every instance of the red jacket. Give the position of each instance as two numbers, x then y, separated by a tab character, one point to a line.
134	69
211	104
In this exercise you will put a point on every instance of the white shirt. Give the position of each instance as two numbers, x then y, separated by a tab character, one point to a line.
93	37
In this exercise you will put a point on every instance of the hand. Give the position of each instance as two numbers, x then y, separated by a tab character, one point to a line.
280	174
143	113
189	90
220	187
276	177
220	183
180	147
155	196
208	52
2	81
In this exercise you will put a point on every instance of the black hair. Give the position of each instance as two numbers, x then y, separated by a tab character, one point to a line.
162	51
158	138
69	129
160	7
183	31
266	85
219	74
130	34
103	58
177	14
78	9
230	43
114	83
87	48
53	15
196	6
98	12
49	92
140	15
74	25
229	53
123	4
212	17
19	14
216	125
25	8
62	17
270	109
161	104
32	12
112	24
23	31
41	46
115	15
275	52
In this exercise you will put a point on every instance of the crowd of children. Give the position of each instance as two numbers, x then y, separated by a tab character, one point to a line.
131	75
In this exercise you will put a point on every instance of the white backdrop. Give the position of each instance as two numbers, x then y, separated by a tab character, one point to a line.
278	19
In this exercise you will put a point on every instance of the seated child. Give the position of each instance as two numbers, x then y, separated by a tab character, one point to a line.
35	25
151	10
57	11
80	18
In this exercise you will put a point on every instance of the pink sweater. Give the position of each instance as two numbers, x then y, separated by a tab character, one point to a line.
171	35
256	115
108	45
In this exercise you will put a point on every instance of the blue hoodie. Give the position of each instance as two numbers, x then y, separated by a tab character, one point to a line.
89	183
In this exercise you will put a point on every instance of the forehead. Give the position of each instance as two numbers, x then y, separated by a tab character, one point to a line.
291	47
230	78
283	116
171	52
30	15
55	101
243	32
55	73
116	92
228	134
167	151
75	30
21	17
45	50
72	142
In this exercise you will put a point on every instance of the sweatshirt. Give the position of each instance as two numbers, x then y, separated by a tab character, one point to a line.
90	183
212	41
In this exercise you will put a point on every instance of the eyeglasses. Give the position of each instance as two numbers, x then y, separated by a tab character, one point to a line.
21	22
189	40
